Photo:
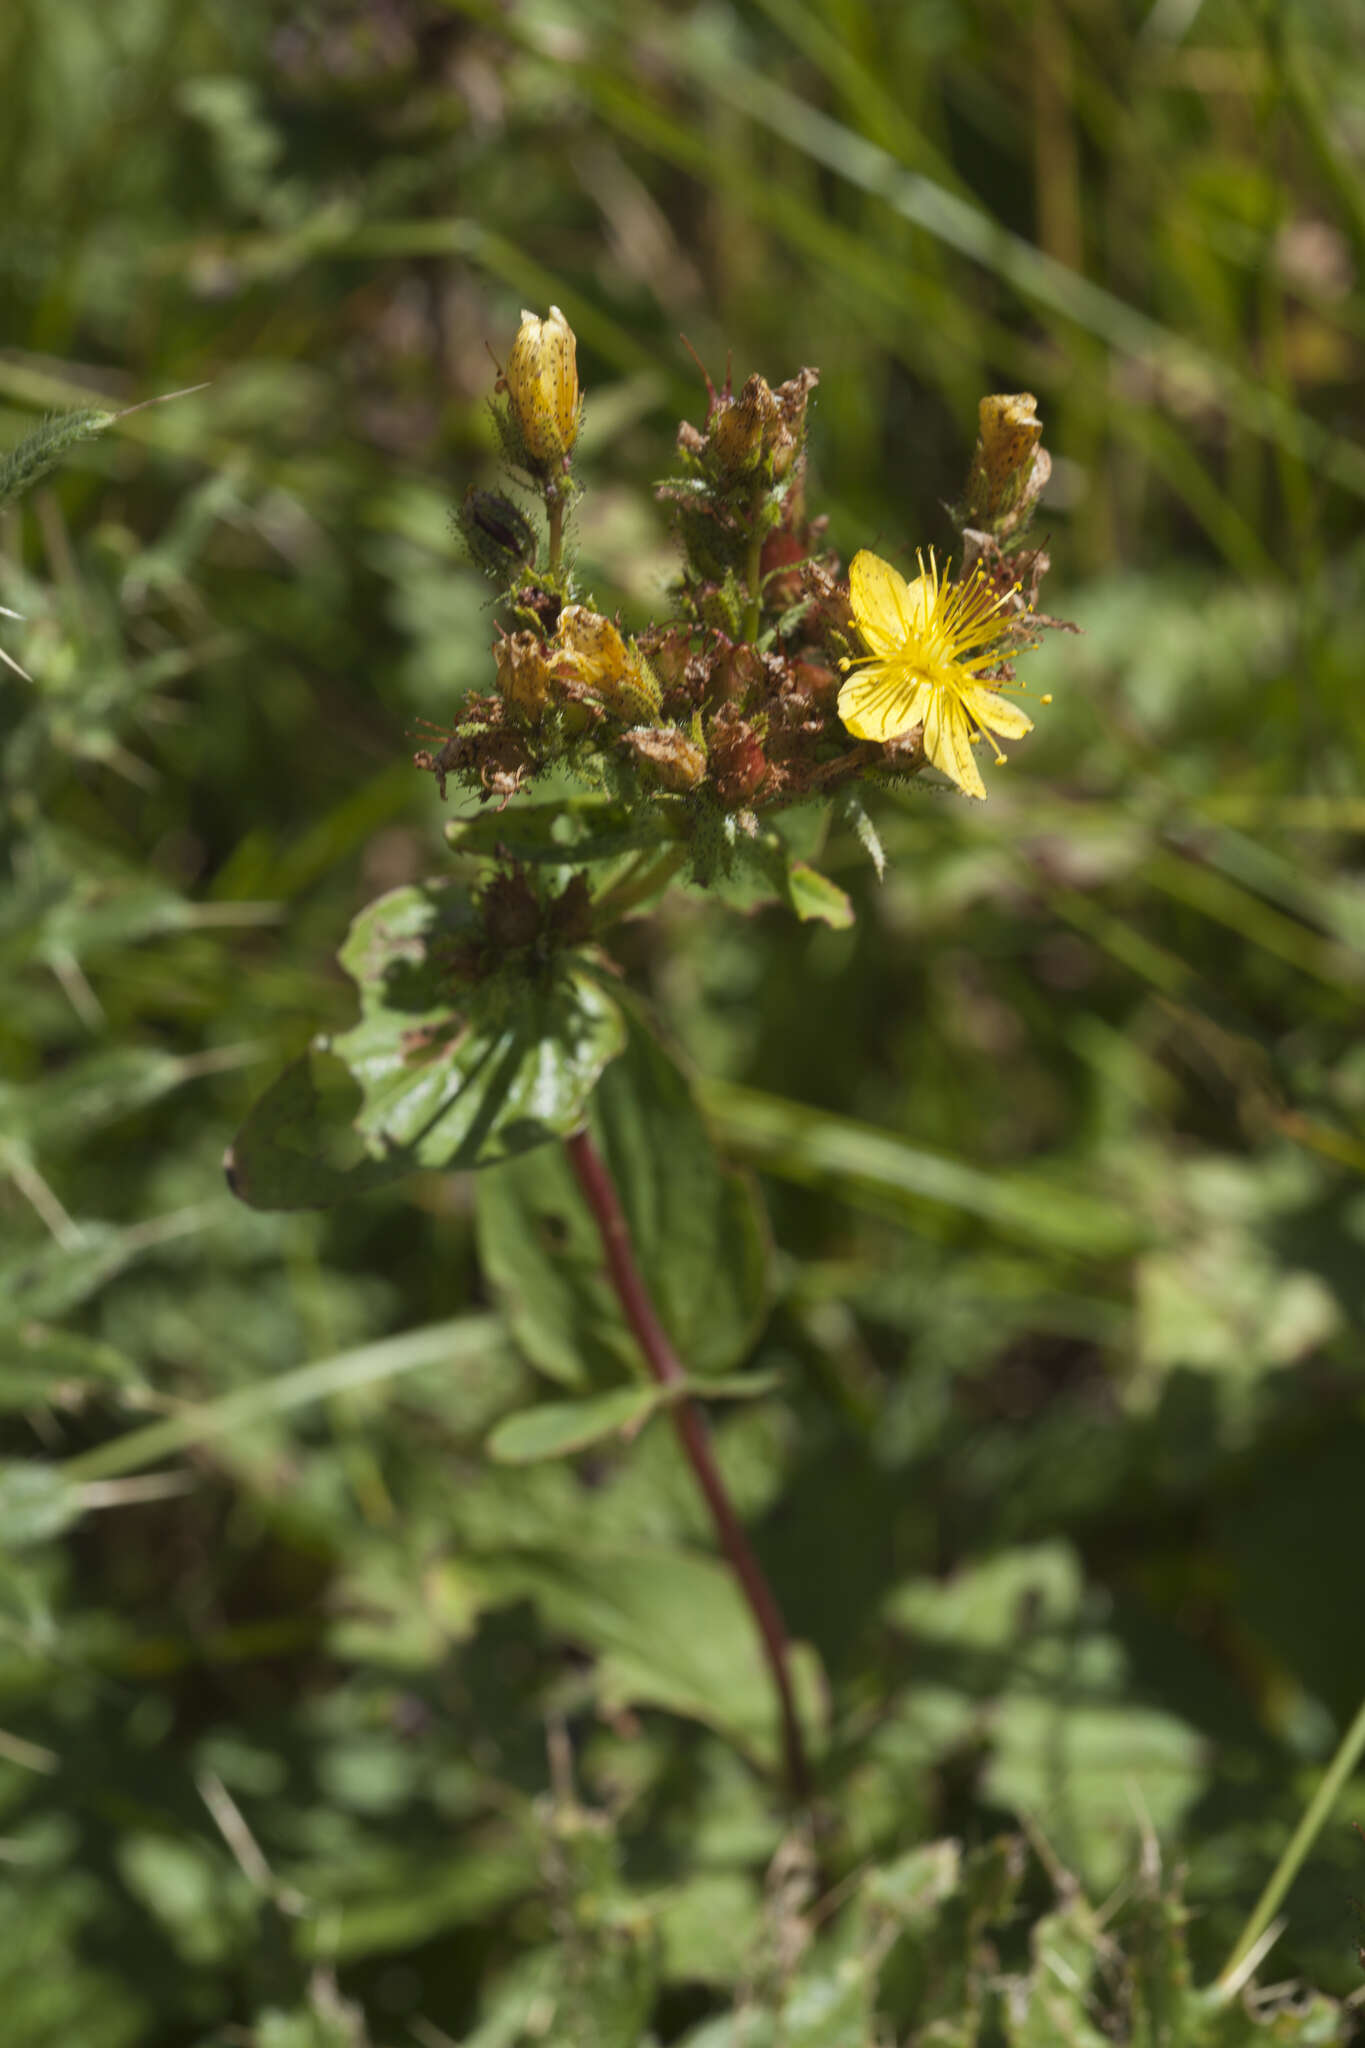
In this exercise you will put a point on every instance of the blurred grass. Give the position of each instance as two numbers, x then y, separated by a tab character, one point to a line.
1062	1142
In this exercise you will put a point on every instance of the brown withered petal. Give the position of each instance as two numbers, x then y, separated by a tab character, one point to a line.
675	761
589	650
524	676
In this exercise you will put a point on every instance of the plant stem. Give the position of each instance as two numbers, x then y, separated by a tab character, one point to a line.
554	511
694	1436
753	577
641	881
1349	1751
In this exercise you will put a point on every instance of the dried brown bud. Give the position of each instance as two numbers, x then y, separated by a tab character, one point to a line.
1009	467
743	429
737	670
674	760
738	763
811	679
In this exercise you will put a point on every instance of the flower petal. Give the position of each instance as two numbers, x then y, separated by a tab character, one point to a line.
947	742
989	708
883	700
880	597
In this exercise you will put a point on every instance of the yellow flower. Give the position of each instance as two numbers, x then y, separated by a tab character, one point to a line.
929	640
542	384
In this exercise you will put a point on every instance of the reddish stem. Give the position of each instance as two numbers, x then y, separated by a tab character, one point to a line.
695	1437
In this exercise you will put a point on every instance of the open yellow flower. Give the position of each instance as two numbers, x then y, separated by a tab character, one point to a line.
929	641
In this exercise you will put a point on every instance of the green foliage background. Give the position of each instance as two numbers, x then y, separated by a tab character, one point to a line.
320	1724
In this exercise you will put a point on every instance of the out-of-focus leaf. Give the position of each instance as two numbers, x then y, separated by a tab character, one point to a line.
696	1229
40	1362
574	832
92	1092
874	1168
37	1502
556	1429
669	1628
51	1279
814	897
1066	1742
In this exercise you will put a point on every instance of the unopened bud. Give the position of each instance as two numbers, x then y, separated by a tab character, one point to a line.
673	759
1009	467
499	536
524	677
542	387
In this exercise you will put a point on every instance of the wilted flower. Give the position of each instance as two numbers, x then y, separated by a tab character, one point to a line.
675	761
524	677
590	651
929	641
542	385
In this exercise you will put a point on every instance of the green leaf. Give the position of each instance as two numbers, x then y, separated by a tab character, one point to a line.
569	832
877	1170
436	1074
37	1502
298	1148
556	1429
816	899
670	1629
696	1229
40	1363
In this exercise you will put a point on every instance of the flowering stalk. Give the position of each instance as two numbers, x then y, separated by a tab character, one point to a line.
590	1171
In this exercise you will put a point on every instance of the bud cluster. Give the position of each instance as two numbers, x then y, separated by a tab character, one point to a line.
739	702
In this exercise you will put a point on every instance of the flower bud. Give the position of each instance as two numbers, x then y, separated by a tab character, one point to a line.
542	387
1009	467
524	676
499	536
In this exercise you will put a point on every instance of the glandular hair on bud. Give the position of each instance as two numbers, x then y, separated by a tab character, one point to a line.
542	387
499	536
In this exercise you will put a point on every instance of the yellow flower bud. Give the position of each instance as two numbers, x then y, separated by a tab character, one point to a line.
542	385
